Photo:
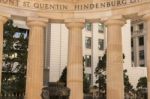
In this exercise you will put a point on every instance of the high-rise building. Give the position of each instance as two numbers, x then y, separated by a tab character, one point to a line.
93	48
138	67
138	43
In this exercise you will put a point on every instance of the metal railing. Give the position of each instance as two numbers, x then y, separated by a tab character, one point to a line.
12	96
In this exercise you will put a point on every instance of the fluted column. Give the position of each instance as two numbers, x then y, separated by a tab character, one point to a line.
147	22
75	64
3	19
114	69
34	81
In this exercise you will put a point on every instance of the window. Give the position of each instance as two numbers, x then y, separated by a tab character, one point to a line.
141	41
132	57
88	77
141	27
131	42
100	44
142	65
101	28
88	26
141	55
131	28
88	60
88	42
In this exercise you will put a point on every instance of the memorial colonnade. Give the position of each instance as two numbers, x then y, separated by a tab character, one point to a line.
34	82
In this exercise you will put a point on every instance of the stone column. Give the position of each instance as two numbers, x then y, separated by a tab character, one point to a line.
114	69
34	81
147	23
3	19
75	60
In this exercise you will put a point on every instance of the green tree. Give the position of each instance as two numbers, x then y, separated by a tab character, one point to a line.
100	72
15	58
127	85
142	88
142	83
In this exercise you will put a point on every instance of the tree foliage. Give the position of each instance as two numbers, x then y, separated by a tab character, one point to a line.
127	85
142	83
14	58
100	72
142	88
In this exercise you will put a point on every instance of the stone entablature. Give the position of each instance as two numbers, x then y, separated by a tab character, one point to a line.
57	5
64	9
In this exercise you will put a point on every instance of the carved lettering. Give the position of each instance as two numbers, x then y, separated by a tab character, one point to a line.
50	6
26	4
65	7
114	3
9	2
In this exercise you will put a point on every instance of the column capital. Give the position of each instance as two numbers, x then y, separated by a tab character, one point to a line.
146	17
71	23
120	22
37	22
4	17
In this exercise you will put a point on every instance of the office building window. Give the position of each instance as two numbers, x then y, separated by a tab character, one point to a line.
141	55
141	27
100	44
131	29
88	60
132	42
132	56
101	28
88	26
88	77
142	65
88	42
141	41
